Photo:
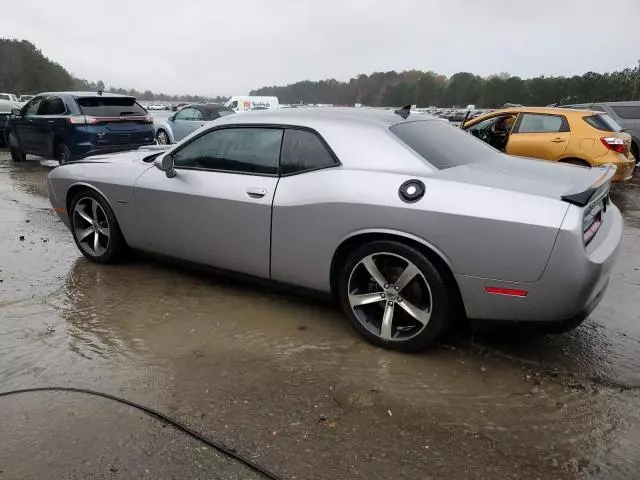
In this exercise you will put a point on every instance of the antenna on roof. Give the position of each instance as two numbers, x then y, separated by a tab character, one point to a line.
404	112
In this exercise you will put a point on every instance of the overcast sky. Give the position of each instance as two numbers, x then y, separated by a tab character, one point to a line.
230	47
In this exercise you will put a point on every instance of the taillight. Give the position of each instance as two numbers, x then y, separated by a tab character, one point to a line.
148	119
592	220
82	120
613	143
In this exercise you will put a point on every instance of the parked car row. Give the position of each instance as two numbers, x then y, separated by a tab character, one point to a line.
405	220
187	120
580	137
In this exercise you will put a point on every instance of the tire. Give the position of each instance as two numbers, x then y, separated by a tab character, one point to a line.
577	161
635	152
17	154
162	137
62	154
425	294
91	216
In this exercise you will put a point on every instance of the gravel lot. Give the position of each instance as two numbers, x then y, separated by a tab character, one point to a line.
284	380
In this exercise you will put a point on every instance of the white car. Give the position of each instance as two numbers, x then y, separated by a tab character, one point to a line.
10	97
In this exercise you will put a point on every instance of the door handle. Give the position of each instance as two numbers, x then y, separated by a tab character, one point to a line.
256	192
558	140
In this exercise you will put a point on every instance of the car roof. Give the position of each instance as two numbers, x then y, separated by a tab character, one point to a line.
85	94
631	103
207	106
549	110
308	116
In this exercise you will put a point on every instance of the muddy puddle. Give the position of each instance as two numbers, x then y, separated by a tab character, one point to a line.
284	379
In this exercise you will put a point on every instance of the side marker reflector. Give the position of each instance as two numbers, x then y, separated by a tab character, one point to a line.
506	291
59	210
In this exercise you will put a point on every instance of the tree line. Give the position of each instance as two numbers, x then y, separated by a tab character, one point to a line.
429	88
25	70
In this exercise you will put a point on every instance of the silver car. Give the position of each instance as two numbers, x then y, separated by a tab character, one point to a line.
404	219
187	120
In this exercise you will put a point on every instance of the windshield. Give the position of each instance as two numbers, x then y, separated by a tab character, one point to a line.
441	144
628	112
110	106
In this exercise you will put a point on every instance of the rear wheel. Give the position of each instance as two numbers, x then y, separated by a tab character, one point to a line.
163	138
17	154
394	296
62	153
95	229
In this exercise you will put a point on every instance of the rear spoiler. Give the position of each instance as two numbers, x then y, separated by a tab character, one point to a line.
584	197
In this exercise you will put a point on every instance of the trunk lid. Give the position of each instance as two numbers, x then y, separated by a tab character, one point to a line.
532	176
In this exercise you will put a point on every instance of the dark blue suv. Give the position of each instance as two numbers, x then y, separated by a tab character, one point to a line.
68	126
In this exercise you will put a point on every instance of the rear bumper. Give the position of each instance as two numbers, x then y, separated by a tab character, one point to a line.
83	150
571	286
625	165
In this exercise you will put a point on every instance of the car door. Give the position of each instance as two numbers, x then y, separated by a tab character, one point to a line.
197	122
182	123
217	209
48	124
306	169
24	127
539	135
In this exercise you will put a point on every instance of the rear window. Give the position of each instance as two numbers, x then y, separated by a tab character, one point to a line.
603	122
442	145
110	106
628	112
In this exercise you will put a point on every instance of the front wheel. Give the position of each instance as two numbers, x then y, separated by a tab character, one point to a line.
95	229
394	296
163	138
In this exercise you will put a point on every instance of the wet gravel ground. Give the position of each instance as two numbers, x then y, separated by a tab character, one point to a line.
284	380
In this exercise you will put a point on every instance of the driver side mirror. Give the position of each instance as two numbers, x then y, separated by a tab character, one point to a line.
172	117
16	112
165	163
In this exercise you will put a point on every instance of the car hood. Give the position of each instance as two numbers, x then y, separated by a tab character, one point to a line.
130	156
529	175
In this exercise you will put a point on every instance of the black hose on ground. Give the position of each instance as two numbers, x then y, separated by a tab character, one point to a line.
161	416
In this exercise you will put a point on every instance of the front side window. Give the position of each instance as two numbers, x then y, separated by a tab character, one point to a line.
536	123
52	106
246	150
32	107
302	151
185	114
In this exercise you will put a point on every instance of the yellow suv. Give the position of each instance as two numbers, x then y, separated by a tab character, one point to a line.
580	137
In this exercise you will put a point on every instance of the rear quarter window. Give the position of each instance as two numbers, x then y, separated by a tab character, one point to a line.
441	144
110	106
602	122
627	112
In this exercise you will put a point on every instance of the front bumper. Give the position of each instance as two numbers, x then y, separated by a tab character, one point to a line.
571	286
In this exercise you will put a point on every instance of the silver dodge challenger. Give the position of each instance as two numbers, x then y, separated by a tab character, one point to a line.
402	218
